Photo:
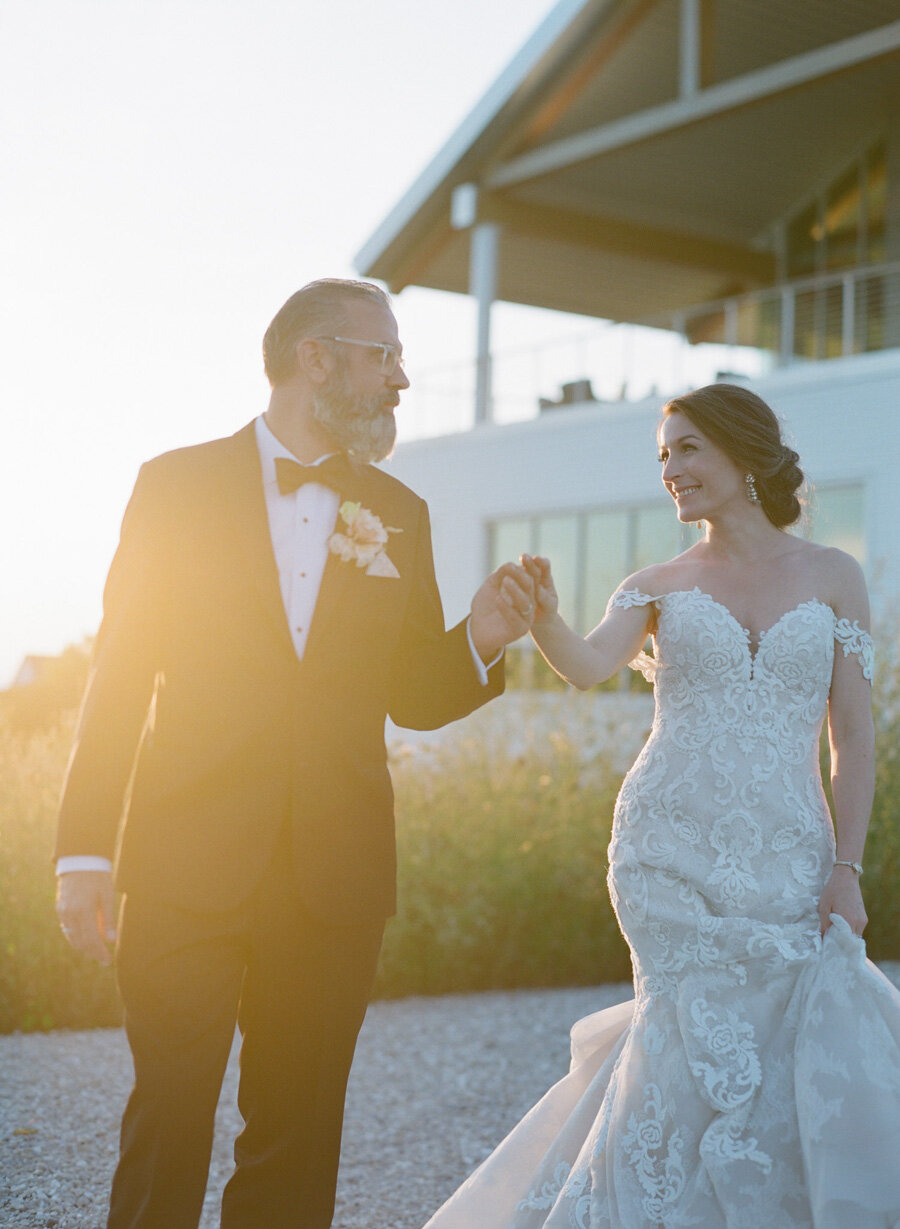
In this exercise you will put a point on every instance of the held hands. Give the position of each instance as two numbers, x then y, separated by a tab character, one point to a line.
546	597
842	895
502	610
85	906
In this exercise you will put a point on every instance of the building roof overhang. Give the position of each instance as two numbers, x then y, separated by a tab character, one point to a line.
636	164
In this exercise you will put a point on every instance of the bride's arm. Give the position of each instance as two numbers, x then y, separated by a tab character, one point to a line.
584	661
851	738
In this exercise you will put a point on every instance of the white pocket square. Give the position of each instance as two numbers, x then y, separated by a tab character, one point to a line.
382	566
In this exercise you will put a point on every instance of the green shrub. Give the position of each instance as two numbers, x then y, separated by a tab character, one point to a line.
502	872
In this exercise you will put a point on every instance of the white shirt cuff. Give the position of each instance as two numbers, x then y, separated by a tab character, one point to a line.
82	862
480	668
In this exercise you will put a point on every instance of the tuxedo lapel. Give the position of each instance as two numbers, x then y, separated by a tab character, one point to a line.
247	501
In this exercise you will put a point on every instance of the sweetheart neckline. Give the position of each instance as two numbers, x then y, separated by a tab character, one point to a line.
748	643
810	601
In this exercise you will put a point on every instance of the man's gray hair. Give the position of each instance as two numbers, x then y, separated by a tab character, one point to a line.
316	310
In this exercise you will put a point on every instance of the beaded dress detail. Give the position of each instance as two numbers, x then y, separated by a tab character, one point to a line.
754	1079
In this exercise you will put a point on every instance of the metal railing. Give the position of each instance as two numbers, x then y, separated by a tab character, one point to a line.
829	316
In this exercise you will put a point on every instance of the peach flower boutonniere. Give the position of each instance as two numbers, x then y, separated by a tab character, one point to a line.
363	541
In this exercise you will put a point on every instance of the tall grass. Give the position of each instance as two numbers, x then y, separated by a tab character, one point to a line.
43	983
502	832
502	869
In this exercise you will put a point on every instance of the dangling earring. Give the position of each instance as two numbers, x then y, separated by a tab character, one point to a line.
751	488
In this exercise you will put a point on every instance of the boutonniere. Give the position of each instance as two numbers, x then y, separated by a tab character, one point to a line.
364	541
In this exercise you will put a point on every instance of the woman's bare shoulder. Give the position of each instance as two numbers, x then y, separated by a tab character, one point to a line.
833	575
645	581
676	573
846	583
830	567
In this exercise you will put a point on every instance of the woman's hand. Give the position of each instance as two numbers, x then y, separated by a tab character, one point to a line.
546	597
842	895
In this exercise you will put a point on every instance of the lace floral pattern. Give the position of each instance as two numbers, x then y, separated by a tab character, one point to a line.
853	640
655	1155
756	1048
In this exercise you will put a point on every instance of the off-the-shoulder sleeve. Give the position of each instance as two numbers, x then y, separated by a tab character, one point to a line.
854	639
625	599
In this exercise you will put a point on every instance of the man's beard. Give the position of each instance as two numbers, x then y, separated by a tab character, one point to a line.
361	425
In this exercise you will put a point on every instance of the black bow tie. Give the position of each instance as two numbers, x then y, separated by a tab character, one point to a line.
331	472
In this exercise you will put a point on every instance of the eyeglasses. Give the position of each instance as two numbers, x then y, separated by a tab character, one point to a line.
391	358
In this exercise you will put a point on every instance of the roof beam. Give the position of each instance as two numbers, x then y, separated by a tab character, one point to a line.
594	56
631	238
716	100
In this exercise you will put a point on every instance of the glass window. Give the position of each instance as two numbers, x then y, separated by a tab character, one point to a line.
557	538
843	229
876	204
806	311
831	315
837	519
874	306
842	221
803	235
510	539
658	536
605	561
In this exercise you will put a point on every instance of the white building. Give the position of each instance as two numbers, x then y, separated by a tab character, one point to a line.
725	170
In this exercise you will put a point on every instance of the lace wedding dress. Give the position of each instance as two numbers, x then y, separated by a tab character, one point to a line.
754	1080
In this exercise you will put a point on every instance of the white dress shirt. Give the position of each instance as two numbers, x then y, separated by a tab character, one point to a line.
300	525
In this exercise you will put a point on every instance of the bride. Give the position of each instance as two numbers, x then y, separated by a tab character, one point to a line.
754	1080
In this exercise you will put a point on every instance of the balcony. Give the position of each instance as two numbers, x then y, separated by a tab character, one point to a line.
831	316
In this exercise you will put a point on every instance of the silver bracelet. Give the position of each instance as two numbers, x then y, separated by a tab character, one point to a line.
854	866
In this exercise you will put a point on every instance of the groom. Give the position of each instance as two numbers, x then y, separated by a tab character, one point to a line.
271	600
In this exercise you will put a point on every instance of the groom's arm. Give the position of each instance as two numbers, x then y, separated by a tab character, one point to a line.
113	711
435	679
120	682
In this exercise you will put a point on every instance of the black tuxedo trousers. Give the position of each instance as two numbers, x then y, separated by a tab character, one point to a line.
299	987
225	775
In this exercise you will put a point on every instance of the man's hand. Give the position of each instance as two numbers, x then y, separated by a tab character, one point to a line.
85	906
502	610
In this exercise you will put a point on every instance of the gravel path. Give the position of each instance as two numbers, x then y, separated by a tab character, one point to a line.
436	1084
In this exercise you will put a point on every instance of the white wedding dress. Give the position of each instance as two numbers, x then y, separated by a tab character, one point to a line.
754	1080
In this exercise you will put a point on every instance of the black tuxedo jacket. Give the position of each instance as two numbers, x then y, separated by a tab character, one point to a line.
201	733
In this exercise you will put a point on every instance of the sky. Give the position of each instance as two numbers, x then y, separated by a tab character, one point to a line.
172	171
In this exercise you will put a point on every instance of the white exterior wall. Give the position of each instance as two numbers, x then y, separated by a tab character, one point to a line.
841	416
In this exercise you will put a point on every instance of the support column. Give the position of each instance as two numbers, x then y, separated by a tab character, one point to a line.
484	249
689	48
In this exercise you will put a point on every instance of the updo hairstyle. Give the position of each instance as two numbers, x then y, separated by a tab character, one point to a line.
747	431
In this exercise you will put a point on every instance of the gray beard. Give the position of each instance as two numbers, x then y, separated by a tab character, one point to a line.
363	426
